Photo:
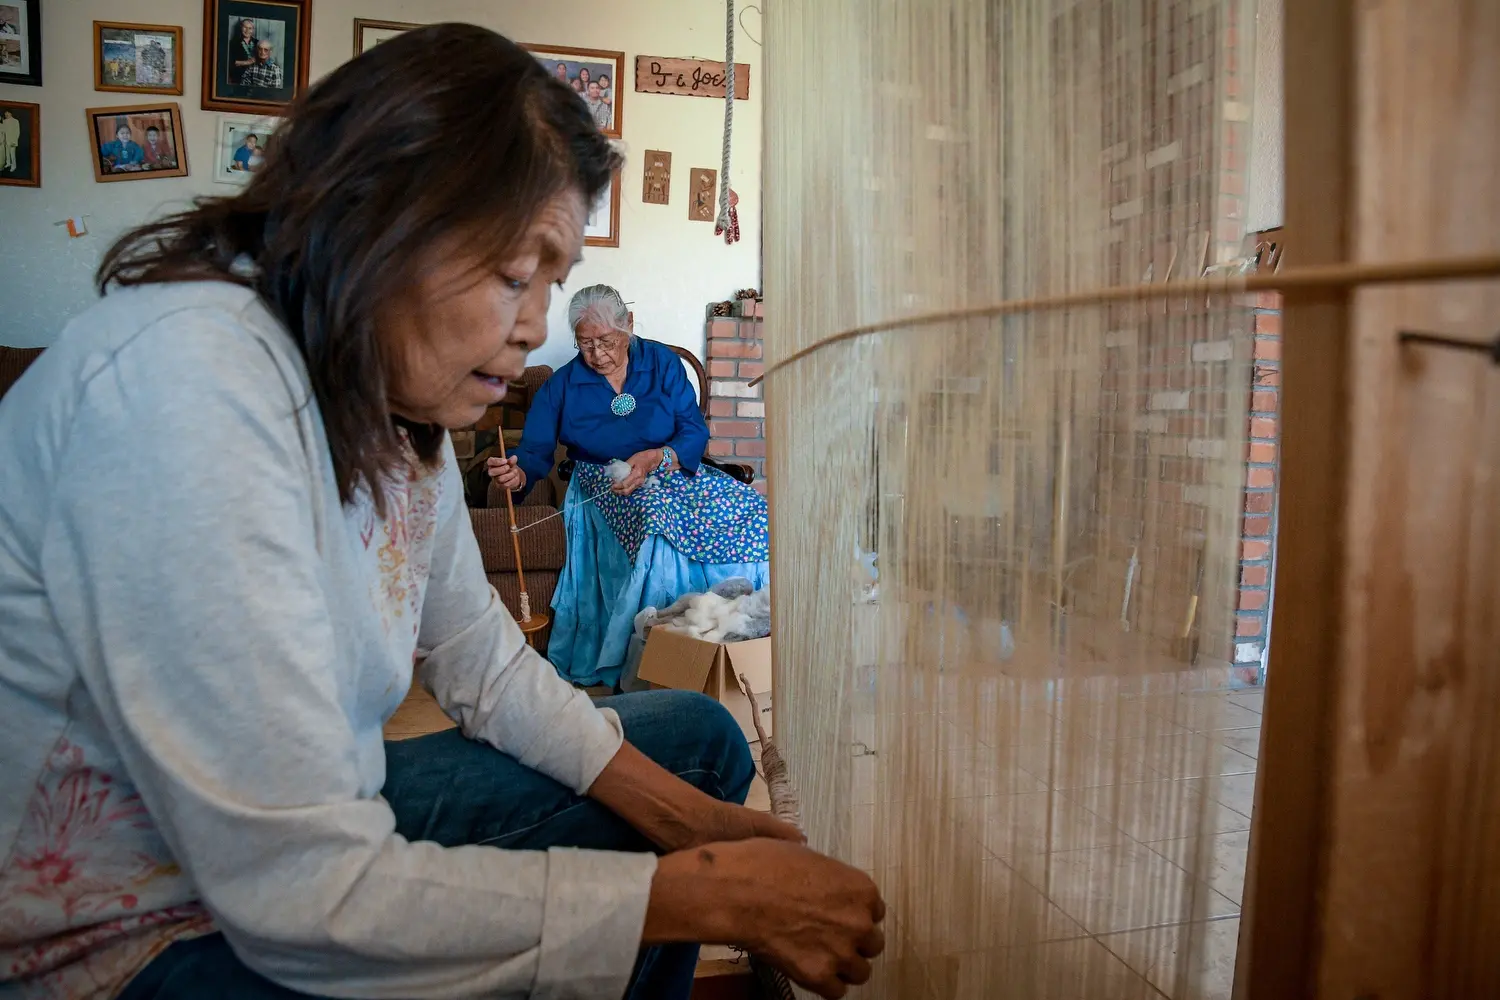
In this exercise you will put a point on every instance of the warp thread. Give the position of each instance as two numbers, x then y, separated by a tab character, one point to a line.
786	807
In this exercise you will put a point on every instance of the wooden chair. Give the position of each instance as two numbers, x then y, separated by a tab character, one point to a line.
743	473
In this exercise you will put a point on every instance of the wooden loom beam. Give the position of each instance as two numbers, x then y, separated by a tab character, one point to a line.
1279	922
1375	857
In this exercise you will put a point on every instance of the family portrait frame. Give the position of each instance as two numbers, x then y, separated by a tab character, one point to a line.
125	148
137	58
602	227
241	144
368	33
255	54
21	42
20	144
580	68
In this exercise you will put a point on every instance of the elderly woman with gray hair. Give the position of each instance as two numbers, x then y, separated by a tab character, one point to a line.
664	524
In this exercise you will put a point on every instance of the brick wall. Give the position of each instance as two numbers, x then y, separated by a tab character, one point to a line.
736	411
1257	546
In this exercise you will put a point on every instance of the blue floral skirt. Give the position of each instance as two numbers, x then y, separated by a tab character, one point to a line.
604	584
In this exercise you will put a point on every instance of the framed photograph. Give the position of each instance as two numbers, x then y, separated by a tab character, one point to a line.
137	58
368	34
597	75
242	147
255	54
602	228
20	144
21	42
137	142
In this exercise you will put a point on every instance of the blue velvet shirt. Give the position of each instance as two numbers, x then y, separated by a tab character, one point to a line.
572	407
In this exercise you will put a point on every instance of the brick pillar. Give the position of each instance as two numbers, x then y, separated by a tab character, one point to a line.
736	411
1257	546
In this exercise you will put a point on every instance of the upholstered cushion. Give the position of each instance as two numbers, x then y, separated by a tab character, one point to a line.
14	361
542	548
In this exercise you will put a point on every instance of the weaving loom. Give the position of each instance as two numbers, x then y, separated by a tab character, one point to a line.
994	359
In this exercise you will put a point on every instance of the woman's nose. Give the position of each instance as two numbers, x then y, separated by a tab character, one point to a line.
530	332
531	323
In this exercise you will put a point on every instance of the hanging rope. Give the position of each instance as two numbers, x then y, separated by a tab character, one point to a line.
727	224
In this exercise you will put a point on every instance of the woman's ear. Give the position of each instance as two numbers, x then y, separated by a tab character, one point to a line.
630	321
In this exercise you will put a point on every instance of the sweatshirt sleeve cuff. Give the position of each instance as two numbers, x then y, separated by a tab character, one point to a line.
578	745
600	748
591	930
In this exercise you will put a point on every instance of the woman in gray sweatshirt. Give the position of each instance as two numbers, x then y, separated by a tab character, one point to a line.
232	529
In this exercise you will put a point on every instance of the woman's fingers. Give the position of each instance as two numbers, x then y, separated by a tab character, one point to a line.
505	471
728	822
855	970
769	826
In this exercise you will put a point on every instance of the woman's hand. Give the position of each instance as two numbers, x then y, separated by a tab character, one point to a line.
642	464
506	472
814	918
673	813
725	821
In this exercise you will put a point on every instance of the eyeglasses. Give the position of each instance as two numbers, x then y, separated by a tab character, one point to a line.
593	345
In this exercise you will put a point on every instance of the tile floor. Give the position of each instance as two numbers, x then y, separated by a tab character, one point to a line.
1121	868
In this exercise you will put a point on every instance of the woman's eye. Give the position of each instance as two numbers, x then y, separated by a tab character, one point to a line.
517	284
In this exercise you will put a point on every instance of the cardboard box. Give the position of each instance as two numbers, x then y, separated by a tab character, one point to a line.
673	660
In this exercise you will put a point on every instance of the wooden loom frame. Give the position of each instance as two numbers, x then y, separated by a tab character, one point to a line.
1344	889
1346	896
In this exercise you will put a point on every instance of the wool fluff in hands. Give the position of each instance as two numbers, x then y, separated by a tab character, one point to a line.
619	471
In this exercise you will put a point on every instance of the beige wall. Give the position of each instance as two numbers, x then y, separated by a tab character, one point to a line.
667	266
1267	148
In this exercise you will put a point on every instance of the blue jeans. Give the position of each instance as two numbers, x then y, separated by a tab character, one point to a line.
451	790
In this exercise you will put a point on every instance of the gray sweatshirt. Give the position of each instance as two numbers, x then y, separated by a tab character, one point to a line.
199	645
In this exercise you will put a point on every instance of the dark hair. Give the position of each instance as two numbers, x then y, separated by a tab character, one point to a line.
364	180
152	128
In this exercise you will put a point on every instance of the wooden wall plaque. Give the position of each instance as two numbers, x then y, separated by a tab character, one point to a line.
656	186
703	206
688	77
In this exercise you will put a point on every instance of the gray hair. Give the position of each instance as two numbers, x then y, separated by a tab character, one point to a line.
600	304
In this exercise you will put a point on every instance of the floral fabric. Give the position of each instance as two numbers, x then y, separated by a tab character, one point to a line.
709	517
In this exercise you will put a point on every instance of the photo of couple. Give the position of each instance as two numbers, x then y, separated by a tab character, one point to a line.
20	164
257	54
